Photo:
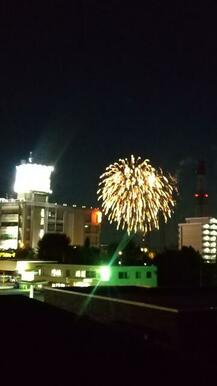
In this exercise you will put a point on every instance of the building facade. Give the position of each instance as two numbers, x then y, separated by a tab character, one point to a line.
24	220
42	273
200	233
74	275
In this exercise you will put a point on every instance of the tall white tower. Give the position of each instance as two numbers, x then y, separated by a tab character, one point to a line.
32	180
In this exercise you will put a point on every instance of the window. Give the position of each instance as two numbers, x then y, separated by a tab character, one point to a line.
80	273
60	214
123	275
40	198
148	275
57	285
8	224
56	272
51	227
138	275
59	227
90	274
41	233
51	213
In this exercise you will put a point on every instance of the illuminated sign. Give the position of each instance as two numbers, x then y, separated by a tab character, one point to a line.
7	254
33	178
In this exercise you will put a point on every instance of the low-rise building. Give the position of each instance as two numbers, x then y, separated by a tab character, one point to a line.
40	273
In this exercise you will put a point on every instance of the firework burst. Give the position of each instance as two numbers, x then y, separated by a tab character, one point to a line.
134	193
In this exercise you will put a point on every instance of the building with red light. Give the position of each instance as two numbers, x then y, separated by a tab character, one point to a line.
201	196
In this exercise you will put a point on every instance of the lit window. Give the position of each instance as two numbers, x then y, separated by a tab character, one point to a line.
213	238
206	232
213	221
80	273
213	226
206	257
213	233
206	250
56	272
81	284
41	233
27	275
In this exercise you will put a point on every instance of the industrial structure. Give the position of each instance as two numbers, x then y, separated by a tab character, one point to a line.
24	220
201	195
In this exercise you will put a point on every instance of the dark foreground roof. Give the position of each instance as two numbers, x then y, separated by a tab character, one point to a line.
179	298
41	344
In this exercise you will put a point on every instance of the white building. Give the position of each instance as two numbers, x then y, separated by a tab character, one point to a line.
200	233
74	275
43	273
23	221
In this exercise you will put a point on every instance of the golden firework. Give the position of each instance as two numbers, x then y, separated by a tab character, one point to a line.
133	193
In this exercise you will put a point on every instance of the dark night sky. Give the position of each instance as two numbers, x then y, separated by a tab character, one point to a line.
86	84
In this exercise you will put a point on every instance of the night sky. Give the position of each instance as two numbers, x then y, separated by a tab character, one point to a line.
85	84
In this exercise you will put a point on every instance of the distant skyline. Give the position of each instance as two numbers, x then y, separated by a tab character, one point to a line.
85	84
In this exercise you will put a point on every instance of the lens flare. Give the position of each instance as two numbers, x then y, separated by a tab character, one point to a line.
134	193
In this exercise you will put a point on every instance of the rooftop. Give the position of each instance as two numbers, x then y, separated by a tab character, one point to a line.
54	345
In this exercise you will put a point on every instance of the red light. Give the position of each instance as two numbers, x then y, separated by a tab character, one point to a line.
196	195
206	195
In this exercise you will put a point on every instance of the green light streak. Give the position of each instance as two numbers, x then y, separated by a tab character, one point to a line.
123	243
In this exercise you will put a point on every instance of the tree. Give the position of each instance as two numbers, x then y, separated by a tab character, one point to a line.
25	254
179	268
53	246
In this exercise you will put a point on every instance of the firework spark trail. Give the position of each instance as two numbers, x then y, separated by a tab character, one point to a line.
133	193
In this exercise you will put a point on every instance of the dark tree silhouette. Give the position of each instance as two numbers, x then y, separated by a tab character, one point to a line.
25	254
179	268
53	246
